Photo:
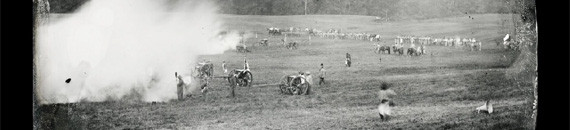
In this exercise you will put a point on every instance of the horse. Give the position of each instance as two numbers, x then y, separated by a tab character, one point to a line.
291	45
274	31
412	52
398	50
384	49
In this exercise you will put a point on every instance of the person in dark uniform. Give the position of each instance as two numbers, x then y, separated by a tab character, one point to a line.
322	74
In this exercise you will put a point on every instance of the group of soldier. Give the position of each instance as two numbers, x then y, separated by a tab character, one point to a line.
445	41
352	36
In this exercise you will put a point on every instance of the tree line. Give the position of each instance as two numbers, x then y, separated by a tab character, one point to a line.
392	9
386	9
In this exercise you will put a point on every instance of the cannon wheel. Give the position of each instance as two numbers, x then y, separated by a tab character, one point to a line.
307	89
302	89
298	90
247	79
282	88
293	90
250	81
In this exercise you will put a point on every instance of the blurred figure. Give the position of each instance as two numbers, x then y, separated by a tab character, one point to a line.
348	60
245	65
309	79
487	107
224	67
507	41
507	38
284	40
302	75
385	94
322	74
384	109
179	86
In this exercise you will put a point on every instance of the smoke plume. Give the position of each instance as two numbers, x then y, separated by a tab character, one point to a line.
109	49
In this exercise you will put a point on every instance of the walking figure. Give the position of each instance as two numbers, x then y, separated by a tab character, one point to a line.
322	74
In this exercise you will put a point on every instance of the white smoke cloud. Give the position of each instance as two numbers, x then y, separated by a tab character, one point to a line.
111	47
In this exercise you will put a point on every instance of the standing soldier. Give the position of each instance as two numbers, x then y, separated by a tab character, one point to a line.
224	67
245	65
348	60
322	74
385	94
179	86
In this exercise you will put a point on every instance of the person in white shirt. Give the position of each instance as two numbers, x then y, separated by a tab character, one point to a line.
384	95
302	75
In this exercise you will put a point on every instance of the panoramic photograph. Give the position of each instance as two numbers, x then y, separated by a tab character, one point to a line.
285	64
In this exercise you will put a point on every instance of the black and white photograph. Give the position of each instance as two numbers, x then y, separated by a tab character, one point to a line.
285	64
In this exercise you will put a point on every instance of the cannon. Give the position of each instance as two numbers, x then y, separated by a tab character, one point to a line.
295	85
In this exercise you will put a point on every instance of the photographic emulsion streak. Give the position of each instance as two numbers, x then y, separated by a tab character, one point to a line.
285	64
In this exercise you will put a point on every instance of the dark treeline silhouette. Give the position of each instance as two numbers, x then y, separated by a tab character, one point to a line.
385	9
394	9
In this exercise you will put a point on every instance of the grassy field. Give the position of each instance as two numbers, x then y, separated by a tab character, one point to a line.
436	91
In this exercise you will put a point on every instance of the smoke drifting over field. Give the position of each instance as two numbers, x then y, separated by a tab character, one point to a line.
113	49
